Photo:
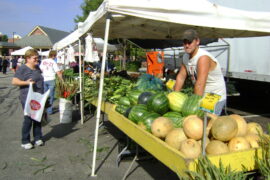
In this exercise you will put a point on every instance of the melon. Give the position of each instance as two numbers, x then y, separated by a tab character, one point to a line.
147	120
224	128
216	147
211	118
191	106
158	103
190	148
241	124
238	144
161	127
207	141
193	127
254	128
253	140
137	112
177	100
144	97
176	118
175	137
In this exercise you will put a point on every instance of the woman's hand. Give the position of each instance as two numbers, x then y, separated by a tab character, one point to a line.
30	81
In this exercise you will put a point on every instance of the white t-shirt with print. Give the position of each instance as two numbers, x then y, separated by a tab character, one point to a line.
49	69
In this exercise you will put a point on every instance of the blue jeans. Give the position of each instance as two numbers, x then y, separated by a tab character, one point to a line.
26	128
50	85
219	107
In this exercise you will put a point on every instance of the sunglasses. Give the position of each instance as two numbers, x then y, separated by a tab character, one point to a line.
186	41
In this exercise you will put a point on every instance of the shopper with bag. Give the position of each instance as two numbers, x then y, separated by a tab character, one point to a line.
29	73
49	69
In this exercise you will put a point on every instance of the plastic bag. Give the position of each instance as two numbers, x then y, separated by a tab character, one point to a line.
35	103
45	120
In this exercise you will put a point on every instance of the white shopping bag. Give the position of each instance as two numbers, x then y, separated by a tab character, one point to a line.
35	103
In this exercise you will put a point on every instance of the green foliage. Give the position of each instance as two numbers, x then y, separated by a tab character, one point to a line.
69	73
4	38
4	51
208	171
264	163
133	66
87	7
66	88
115	87
137	52
117	65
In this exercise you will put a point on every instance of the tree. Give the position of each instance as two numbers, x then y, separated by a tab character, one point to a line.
87	6
4	38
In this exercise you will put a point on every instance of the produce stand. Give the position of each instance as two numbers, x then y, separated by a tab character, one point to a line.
170	156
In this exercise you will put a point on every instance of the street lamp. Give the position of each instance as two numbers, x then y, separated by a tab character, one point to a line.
13	36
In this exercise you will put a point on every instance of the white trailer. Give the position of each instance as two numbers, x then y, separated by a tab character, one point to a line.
243	60
249	58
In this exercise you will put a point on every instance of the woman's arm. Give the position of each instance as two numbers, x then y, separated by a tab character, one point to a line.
18	82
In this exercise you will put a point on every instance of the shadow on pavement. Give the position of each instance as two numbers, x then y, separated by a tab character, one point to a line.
150	164
61	130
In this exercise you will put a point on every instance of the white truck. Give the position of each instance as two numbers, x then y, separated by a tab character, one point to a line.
246	61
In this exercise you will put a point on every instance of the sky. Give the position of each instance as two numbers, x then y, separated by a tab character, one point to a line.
21	16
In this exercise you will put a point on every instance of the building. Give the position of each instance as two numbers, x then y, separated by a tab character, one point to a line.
41	38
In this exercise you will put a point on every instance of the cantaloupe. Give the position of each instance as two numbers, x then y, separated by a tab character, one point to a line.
211	118
190	148
253	140
254	128
224	128
238	144
216	147
241	124
175	137
207	141
161	127
193	127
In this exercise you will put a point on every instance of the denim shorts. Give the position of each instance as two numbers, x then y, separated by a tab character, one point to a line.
219	107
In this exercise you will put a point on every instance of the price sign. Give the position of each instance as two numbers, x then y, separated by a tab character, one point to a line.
209	102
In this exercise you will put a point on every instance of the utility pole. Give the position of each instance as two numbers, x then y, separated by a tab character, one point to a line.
13	33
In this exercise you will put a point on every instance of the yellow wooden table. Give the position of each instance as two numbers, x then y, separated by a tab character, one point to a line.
171	157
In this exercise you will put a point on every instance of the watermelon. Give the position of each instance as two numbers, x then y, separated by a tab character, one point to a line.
147	119
148	82
177	100
133	96
158	103
121	109
144	97
137	112
127	112
176	118
124	101
191	106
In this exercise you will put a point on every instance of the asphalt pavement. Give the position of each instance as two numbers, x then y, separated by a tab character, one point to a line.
68	150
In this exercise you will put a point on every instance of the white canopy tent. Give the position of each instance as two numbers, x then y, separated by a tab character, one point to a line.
44	53
21	52
159	19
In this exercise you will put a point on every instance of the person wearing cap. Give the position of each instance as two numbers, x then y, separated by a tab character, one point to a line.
203	69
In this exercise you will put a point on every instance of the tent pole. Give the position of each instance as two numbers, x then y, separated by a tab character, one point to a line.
100	92
125	54
81	87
